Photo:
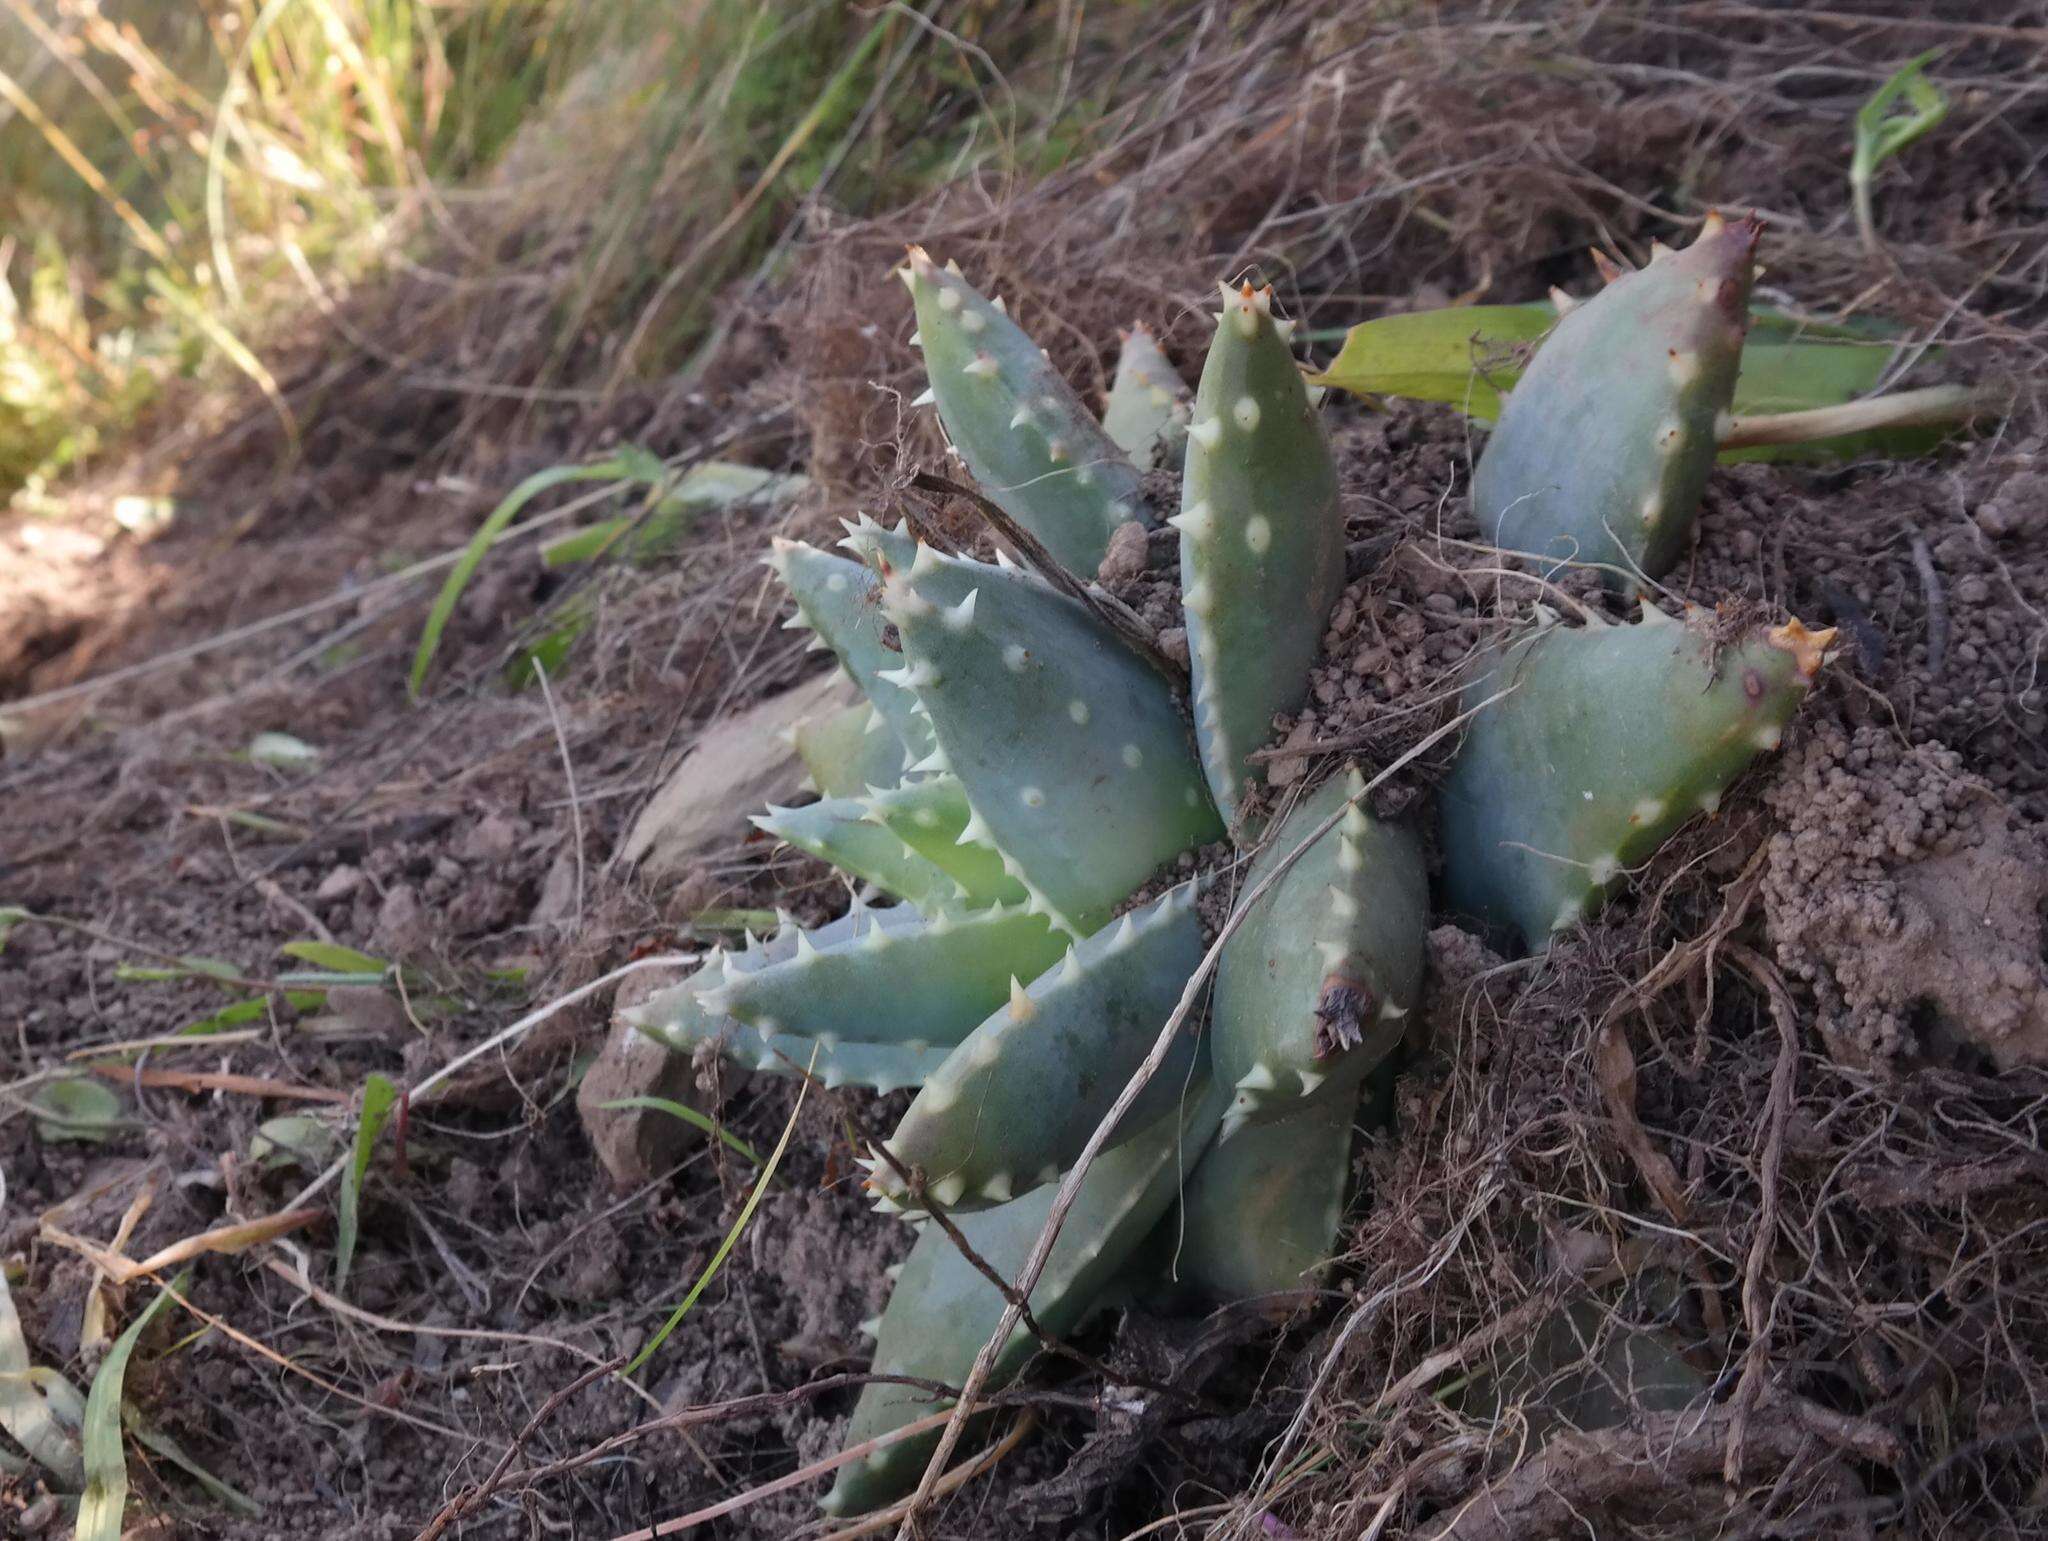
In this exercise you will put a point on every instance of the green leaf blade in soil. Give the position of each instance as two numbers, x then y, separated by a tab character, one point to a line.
380	1096
335	958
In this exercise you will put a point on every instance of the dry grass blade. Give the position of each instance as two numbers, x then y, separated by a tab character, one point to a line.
27	1395
236	1236
733	1234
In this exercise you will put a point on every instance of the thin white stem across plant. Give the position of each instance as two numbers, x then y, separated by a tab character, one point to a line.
1070	1185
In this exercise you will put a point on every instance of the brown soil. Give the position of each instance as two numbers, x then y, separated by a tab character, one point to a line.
1788	1068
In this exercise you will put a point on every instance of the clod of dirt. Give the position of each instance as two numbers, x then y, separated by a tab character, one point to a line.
1127	555
743	762
1904	892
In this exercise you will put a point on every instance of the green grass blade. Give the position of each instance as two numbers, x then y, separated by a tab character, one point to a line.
1881	131
106	1467
629	466
380	1096
691	1116
161	1444
732	1236
335	958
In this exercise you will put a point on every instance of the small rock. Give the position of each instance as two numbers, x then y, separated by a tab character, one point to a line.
737	766
558	891
369	1010
404	928
338	885
1173	642
491	837
2019	505
637	1144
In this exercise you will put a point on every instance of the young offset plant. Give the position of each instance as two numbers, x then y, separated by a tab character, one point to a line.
1027	785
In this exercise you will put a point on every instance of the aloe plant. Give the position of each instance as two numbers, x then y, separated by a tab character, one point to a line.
1031	787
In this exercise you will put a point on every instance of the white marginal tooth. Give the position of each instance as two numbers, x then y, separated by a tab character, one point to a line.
938	1096
999	305
1003	560
1196	599
935	761
1710	802
1022	1007
1310	1080
947	1190
1257	1079
1659	251
1071	970
1392	1013
1208	432
893	1272
924	562
1194	520
917	339
1564	302
906	676
1056	450
871	1328
1285	327
806	948
1049	1173
960	617
997	1188
923	398
1343	906
1021	417
1232	1122
953	266
983	367
976	832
